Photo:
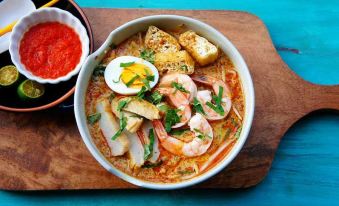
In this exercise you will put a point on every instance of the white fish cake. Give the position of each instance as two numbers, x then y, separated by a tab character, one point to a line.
109	126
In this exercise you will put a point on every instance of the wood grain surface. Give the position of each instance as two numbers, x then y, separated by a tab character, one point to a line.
43	150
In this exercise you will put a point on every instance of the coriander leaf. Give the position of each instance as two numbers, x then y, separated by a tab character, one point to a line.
130	82
171	118
117	134
163	107
149	147
93	118
122	124
126	64
141	93
148	55
178	131
156	97
122	104
179	87
184	68
217	107
149	77
146	83
201	135
151	165
147	151
197	106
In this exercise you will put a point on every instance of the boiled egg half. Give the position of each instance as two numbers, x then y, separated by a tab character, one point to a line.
128	74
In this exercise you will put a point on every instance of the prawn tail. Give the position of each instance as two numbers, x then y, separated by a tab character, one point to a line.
159	129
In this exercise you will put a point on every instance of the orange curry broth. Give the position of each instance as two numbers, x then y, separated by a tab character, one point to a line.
50	50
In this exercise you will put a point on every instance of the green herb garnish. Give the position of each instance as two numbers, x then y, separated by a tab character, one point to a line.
93	118
171	118
122	124
184	68
178	131
149	77
148	55
141	93
151	165
149	147
156	97
130	82
201	135
163	107
197	106
126	64
179	87
146	83
122	104
217	107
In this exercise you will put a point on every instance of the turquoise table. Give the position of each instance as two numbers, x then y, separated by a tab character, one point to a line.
306	166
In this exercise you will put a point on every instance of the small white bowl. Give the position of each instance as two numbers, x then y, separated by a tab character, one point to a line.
166	22
41	16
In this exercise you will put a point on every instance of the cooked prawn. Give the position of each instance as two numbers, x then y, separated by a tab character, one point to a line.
205	96
178	99
203	133
182	79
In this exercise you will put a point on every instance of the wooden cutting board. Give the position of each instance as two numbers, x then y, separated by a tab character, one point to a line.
44	151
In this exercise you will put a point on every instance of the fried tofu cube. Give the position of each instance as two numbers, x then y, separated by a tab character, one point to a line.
160	41
200	48
141	107
133	121
179	61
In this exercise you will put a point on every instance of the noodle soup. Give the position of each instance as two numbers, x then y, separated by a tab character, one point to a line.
165	106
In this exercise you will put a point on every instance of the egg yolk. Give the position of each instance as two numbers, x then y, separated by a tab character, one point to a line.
134	74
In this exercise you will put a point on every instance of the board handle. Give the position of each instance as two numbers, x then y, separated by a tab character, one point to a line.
322	97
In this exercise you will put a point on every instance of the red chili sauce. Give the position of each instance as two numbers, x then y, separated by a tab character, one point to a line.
50	50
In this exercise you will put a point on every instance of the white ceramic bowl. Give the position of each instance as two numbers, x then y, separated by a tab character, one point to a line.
163	21
41	16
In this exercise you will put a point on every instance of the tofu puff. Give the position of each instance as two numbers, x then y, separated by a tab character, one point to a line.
179	61
160	41
200	48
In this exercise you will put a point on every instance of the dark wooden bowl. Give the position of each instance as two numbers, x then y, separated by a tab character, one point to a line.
54	93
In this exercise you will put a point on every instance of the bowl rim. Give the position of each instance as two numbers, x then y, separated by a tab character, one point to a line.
18	33
83	128
71	91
